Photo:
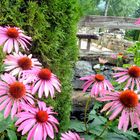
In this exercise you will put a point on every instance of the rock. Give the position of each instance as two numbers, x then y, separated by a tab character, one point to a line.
108	74
77	83
83	68
79	102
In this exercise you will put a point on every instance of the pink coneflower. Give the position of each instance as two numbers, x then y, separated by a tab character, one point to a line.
70	136
17	63
99	83
131	75
126	103
11	37
44	81
118	55
137	22
39	122
12	94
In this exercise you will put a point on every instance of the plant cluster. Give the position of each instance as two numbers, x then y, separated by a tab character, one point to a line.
23	78
52	26
122	96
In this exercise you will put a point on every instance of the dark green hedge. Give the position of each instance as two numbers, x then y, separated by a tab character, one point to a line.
52	25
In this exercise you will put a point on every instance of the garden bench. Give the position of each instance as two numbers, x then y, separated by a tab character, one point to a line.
88	37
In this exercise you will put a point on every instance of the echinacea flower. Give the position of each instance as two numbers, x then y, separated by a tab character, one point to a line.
137	22
44	81
17	63
125	103
70	136
130	75
39	122
118	55
99	83
12	37
12	94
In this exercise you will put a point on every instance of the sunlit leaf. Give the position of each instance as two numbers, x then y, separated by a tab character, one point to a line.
11	134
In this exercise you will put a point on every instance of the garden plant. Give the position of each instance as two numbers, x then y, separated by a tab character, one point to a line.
38	52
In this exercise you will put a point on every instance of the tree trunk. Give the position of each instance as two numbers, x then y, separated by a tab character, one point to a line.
106	7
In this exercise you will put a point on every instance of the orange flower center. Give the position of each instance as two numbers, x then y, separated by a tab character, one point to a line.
120	54
12	32
99	77
42	116
44	74
25	63
134	71
17	90
129	98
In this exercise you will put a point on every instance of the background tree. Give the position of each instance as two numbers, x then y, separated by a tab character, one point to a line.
107	4
134	34
123	8
89	7
110	7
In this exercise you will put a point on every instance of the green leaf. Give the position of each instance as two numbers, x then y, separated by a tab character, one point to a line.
11	134
91	115
77	125
126	65
97	105
114	136
99	120
127	133
23	138
88	137
95	129
3	126
130	133
1	116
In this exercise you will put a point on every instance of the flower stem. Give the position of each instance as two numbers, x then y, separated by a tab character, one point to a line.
85	113
105	127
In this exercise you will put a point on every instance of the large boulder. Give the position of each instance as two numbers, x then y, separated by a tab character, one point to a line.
82	68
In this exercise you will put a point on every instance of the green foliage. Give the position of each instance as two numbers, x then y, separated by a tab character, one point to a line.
123	7
116	7
118	87
132	35
89	7
52	25
137	13
135	50
7	129
1	60
99	128
11	135
77	125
